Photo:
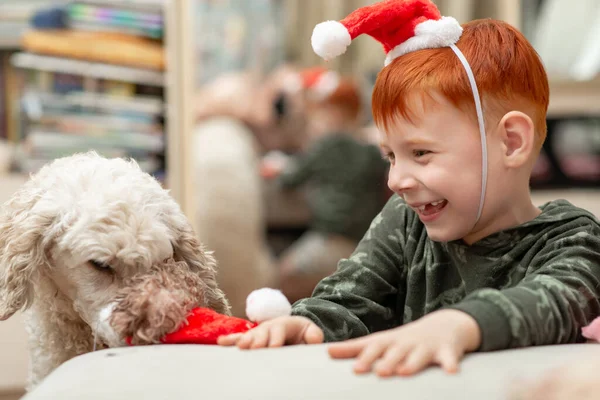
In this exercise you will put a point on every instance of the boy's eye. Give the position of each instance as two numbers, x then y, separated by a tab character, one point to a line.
420	153
389	157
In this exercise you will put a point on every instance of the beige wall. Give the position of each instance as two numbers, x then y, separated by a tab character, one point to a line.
14	361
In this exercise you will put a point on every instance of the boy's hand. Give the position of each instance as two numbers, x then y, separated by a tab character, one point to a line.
269	171
276	333
442	338
273	164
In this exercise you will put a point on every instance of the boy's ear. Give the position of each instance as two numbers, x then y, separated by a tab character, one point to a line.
517	136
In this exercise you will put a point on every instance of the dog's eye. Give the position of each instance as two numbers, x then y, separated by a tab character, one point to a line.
100	266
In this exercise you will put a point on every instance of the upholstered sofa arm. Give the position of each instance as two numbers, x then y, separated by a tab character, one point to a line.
298	372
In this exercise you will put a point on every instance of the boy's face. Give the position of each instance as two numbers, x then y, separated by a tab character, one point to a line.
325	119
435	165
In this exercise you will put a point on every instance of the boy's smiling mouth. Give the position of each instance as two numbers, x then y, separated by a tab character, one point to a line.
429	211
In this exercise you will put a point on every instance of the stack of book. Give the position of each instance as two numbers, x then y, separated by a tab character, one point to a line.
65	121
70	104
99	17
14	19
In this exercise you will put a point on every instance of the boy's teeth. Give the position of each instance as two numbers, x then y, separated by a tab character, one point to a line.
433	204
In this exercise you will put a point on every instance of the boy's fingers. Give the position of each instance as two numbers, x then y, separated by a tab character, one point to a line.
391	360
313	335
246	340
448	360
229	340
277	336
367	357
260	339
347	349
418	359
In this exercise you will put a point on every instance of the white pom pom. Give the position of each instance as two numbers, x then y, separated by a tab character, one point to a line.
330	39
266	303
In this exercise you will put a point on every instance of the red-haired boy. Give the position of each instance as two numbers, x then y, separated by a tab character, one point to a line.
459	260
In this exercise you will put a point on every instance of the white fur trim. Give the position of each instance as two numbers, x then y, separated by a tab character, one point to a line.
325	85
429	34
266	303
276	158
330	39
104	330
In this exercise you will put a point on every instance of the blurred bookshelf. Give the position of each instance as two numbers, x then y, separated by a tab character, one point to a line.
14	20
108	79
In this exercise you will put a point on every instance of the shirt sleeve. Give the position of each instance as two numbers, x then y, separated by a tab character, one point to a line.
558	296
363	295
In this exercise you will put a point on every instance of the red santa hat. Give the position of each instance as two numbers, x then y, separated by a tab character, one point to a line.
205	326
401	26
319	82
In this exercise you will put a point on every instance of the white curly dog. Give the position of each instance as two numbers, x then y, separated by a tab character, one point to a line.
70	238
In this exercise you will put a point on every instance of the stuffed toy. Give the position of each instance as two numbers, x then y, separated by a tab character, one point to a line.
168	306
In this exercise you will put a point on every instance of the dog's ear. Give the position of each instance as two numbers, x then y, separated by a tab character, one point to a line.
188	248
24	224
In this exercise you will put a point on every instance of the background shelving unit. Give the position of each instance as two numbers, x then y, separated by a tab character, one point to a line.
108	91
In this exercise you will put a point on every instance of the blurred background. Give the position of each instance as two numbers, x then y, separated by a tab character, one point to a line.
226	104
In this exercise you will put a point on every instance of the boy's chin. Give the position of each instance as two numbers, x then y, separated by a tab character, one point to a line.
439	235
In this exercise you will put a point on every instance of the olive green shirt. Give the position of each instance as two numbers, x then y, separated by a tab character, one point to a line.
347	184
534	284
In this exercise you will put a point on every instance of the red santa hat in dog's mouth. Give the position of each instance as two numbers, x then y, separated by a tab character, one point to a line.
401	26
204	325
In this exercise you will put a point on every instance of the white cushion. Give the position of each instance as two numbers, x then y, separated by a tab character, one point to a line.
298	372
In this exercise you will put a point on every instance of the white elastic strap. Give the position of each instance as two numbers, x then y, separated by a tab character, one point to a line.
479	110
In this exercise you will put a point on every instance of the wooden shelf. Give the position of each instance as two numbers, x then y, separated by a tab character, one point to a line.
572	98
142	104
11	43
86	68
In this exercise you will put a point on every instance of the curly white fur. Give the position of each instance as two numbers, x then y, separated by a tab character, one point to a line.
74	210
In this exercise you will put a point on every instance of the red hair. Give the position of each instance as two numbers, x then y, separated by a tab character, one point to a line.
508	71
346	98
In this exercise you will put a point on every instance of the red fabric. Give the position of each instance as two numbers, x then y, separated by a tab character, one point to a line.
390	22
205	326
310	76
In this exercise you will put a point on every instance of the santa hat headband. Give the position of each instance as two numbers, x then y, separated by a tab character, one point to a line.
320	83
401	26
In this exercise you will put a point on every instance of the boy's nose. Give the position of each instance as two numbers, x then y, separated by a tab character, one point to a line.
399	181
